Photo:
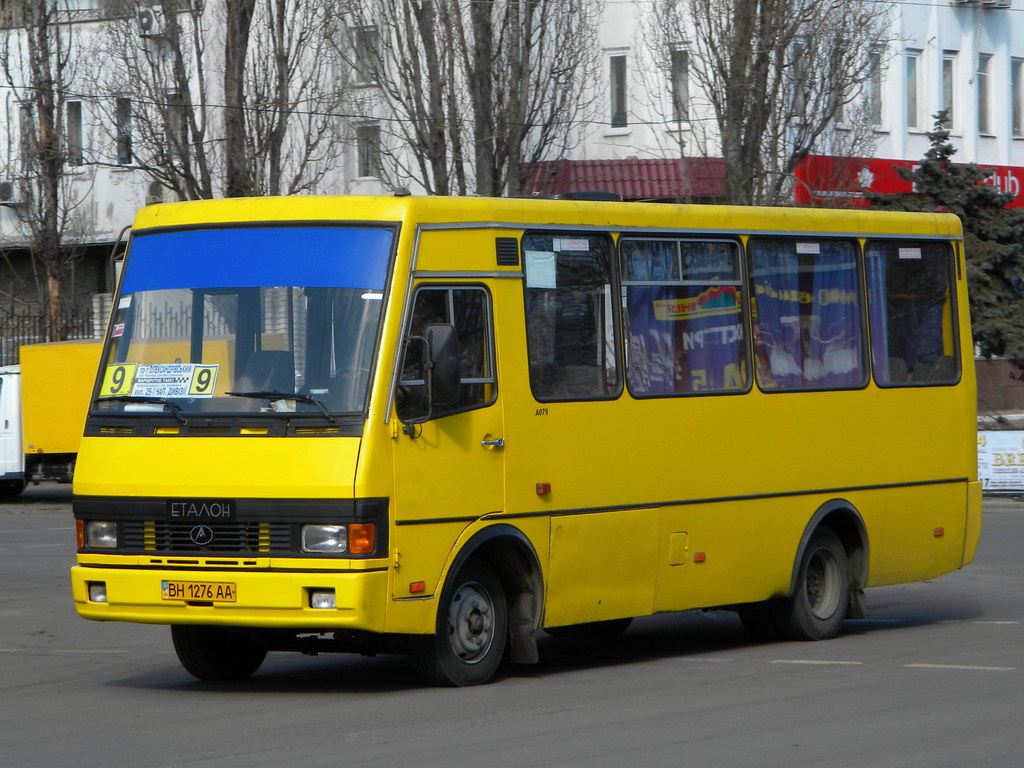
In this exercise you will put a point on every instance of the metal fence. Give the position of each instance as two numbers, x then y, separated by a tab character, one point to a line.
17	329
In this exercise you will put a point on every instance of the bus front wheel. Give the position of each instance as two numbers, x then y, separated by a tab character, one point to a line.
818	605
472	630
216	653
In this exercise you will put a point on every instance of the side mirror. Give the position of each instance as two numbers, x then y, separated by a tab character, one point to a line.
443	380
430	375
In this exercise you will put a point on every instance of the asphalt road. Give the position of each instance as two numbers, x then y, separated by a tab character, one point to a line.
932	678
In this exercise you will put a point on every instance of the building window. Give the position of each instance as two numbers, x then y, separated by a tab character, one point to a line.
680	86
1016	105
800	80
911	74
984	62
948	93
123	130
73	130
368	150
617	90
177	126
366	49
874	86
27	136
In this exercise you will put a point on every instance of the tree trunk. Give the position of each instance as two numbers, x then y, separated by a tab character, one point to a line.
238	180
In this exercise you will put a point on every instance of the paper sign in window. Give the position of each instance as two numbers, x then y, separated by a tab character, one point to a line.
540	269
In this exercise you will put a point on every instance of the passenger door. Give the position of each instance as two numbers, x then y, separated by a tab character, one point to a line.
448	459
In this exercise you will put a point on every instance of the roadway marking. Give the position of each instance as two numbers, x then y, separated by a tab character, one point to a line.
995	622
708	660
968	667
47	651
815	661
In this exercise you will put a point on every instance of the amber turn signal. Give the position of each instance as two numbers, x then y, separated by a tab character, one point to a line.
362	538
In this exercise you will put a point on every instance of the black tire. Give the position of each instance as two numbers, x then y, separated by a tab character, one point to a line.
594	629
819	603
472	630
215	653
11	488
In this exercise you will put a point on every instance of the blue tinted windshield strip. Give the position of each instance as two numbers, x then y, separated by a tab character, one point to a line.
323	257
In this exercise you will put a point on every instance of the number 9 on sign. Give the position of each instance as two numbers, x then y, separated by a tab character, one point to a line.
118	379
204	379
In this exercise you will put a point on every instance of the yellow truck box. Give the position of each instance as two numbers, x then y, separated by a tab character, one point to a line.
56	383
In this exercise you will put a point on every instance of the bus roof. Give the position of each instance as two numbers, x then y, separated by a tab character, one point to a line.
536	212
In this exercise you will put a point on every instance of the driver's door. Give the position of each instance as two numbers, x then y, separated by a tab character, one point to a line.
448	460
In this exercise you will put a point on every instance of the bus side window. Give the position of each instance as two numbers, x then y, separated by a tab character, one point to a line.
570	317
468	310
683	308
807	313
910	310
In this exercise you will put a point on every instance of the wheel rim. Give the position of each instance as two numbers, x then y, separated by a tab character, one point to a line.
822	585
471	623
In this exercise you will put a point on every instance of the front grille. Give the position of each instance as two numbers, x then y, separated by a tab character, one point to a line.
160	536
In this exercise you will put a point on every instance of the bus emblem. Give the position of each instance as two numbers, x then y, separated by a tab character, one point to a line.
201	535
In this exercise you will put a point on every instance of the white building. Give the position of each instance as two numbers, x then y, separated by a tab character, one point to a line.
966	56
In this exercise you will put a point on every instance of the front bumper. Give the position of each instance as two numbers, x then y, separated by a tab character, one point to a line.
268	599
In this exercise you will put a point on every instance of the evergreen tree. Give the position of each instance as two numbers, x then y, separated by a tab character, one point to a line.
993	240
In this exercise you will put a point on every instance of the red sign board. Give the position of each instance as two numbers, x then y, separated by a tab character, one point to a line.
839	181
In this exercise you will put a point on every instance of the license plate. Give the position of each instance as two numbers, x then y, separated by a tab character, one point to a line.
204	591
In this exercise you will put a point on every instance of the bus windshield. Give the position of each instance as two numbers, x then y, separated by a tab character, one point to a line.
237	319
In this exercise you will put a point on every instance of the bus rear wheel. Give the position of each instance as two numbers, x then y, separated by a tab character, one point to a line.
818	605
471	633
216	653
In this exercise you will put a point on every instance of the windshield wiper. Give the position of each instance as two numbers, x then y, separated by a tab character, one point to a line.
270	395
175	408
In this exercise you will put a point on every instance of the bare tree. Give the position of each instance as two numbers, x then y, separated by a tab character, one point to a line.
292	95
268	125
238	15
37	64
780	79
468	91
160	72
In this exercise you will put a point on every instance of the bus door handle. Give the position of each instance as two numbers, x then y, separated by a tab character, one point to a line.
498	442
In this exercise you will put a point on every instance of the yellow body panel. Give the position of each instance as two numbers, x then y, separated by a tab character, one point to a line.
638	488
56	384
237	467
626	546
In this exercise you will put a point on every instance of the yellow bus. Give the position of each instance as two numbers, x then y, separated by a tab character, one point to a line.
438	426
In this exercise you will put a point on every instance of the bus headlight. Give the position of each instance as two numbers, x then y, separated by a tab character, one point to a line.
324	538
101	534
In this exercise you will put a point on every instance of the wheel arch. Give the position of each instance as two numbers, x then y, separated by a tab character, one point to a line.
510	553
845	520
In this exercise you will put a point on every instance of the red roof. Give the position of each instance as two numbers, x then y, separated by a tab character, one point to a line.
633	178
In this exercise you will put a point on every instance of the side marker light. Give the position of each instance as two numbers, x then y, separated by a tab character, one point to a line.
418	587
699	557
940	532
